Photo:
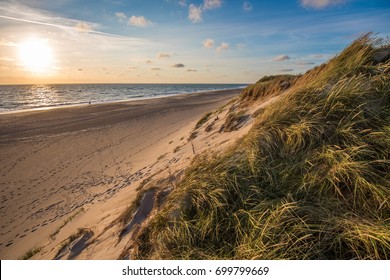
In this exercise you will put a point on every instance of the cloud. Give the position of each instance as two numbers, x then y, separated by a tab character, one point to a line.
246	6
286	70
211	4
121	16
183	3
304	63
155	69
4	42
241	46
15	11
195	13
208	43
192	70
321	4
148	61
223	46
83	27
163	55
178	65
281	57
139	21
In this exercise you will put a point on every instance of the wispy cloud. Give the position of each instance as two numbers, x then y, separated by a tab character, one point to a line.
155	69
178	65
282	57
241	46
121	16
223	46
192	70
286	70
183	3
139	21
148	61
321	4
212	4
208	43
305	63
15	11
195	13
246	6
6	43
83	27
163	55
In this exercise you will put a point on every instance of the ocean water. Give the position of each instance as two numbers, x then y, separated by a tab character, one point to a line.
24	97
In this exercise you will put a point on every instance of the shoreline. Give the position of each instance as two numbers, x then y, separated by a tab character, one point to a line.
56	162
6	112
59	119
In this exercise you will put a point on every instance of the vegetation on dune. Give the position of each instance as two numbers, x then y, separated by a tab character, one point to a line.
30	253
311	180
267	86
202	120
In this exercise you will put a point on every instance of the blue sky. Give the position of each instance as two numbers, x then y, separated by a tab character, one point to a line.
177	41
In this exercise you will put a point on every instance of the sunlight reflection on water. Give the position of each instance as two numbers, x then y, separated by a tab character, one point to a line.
20	97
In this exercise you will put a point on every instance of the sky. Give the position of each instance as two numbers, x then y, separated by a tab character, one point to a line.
177	41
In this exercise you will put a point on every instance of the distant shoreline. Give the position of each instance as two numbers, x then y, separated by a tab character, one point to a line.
126	98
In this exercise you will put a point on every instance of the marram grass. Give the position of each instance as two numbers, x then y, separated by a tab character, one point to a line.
311	180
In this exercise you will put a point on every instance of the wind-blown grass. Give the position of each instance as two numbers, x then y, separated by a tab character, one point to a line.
311	180
267	86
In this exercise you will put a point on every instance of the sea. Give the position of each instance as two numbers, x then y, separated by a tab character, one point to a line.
30	97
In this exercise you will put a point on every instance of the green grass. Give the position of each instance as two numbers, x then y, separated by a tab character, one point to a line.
233	120
268	86
203	119
30	253
311	180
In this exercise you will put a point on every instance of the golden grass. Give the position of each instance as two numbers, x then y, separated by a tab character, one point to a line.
311	180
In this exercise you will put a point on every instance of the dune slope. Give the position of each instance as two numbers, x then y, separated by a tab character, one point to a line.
310	180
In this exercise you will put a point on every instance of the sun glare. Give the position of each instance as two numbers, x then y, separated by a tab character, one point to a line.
36	56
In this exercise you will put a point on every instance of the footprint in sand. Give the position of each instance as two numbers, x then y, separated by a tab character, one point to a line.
9	243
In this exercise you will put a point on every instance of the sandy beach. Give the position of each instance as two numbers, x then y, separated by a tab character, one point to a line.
86	161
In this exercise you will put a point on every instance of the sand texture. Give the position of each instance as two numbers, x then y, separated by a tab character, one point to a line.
67	174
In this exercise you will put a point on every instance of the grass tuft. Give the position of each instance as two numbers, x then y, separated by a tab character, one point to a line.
202	120
30	253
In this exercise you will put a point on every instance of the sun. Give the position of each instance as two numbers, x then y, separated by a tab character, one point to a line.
36	56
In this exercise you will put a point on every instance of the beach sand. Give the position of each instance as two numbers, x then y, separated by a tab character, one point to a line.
72	167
